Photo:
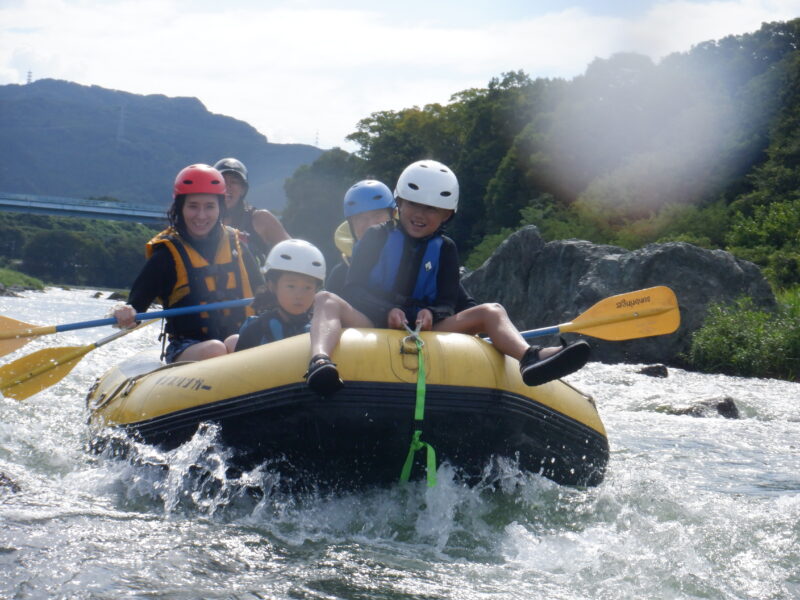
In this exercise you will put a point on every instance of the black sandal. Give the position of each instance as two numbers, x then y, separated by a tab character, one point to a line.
322	376
570	358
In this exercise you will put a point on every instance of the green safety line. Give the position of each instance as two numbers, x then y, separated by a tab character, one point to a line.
419	415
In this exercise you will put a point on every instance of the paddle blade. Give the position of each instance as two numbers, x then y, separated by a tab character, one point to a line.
9	329
11	344
643	313
35	372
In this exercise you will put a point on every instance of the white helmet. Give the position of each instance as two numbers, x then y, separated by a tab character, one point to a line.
428	182
296	256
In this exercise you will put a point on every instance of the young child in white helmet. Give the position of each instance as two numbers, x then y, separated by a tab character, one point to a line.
294	272
408	272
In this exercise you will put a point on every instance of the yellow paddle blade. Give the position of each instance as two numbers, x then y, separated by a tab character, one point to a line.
9	345
9	329
643	313
344	239
15	334
35	372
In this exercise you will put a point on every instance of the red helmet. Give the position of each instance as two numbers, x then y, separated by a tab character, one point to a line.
199	179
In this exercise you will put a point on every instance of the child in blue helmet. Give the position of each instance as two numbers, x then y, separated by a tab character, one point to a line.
294	272
409	272
366	203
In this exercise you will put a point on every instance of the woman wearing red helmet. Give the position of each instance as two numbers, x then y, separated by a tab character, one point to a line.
196	260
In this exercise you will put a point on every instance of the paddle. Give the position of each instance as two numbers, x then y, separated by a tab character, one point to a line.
35	372
14	334
643	313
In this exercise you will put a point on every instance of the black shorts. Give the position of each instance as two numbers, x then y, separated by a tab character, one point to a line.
176	346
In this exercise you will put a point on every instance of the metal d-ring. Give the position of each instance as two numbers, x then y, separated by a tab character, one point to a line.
413	335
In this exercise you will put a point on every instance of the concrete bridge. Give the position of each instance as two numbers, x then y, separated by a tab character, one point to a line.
78	207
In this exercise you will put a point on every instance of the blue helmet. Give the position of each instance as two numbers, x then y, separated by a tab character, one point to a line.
367	195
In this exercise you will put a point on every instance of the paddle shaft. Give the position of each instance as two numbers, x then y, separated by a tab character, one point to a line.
159	314
38	371
572	327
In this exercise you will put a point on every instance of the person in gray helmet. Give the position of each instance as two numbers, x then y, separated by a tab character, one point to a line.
262	229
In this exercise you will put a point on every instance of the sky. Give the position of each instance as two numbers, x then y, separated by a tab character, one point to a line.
306	71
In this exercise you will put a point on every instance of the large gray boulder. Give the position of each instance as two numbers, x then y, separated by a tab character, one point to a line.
543	284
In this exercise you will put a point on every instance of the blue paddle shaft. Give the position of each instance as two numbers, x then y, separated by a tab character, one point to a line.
534	333
159	314
186	310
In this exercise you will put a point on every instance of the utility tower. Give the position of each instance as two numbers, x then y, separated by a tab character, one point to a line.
30	76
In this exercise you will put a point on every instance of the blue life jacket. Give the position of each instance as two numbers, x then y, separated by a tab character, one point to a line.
384	274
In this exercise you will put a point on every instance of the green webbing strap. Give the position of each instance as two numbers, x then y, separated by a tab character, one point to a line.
419	415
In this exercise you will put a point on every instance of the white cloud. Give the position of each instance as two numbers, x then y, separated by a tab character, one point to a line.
291	72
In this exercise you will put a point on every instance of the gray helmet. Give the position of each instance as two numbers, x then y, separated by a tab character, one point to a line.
232	164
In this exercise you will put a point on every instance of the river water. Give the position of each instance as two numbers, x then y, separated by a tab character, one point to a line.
690	508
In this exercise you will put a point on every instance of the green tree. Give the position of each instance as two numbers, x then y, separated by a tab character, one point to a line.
315	193
66	257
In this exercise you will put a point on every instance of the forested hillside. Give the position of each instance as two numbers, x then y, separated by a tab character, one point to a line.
73	251
64	139
702	147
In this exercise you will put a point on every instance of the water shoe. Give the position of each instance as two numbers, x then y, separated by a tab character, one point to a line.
570	358
322	376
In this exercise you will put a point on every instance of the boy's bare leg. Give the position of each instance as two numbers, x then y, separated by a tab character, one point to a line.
331	314
492	319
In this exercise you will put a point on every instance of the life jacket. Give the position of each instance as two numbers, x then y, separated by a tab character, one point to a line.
200	282
273	328
384	274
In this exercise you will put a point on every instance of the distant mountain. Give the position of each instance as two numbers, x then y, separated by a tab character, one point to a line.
64	139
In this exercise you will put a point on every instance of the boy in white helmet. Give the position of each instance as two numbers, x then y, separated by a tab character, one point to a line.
294	272
408	272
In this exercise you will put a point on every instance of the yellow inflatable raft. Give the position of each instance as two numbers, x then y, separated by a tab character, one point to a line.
475	408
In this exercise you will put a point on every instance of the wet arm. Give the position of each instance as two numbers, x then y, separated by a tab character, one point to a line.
269	227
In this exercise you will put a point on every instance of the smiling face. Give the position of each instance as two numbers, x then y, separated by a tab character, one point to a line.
294	291
421	220
200	214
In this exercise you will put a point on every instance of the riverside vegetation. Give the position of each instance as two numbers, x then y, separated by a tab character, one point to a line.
703	147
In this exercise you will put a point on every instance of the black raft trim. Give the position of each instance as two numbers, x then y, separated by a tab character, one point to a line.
361	434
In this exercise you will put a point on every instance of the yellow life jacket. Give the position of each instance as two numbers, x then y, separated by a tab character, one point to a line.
200	282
